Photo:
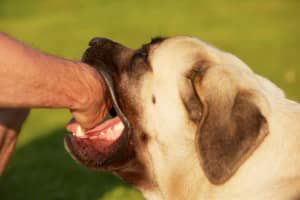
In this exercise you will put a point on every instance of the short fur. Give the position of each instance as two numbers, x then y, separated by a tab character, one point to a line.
204	125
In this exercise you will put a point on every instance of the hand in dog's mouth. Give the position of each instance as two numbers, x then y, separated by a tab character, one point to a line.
106	146
107	132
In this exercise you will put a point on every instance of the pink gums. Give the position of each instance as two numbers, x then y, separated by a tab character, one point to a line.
109	130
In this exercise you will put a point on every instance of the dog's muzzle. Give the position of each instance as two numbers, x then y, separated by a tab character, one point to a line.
107	146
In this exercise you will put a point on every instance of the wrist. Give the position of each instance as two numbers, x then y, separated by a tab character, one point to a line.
92	86
92	102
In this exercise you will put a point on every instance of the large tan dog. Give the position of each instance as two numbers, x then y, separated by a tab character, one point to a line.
193	122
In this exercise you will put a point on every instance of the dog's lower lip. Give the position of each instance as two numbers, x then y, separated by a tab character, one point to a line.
116	110
98	151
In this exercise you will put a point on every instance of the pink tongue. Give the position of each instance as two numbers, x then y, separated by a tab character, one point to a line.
109	130
107	124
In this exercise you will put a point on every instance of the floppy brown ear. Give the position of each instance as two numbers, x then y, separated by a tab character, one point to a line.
231	126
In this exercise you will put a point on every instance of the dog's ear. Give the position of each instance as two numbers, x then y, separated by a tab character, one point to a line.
231	125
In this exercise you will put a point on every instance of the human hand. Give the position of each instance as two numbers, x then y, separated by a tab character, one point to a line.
95	102
11	121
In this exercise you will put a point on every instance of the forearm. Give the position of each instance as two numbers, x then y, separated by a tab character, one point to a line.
29	78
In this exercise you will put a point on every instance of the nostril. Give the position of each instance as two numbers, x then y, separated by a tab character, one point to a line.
97	41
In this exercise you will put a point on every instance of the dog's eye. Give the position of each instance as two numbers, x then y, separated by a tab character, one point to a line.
140	57
141	53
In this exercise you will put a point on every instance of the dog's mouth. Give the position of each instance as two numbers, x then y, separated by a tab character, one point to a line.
108	132
108	146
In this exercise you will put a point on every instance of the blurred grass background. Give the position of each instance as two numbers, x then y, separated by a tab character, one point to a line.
265	34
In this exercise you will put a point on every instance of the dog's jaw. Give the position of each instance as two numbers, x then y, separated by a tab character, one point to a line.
154	89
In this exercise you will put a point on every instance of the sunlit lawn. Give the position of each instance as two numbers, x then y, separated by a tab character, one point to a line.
265	34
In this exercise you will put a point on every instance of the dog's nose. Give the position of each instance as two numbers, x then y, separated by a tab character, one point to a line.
98	41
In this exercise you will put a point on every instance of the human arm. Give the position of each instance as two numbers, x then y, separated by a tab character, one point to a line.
30	78
11	121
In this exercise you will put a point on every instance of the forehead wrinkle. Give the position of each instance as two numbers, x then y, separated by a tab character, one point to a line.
152	46
147	49
180	54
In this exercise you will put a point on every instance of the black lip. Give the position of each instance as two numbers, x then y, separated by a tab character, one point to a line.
96	154
118	157
106	72
121	150
116	108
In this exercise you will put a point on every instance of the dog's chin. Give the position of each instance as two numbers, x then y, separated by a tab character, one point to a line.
105	147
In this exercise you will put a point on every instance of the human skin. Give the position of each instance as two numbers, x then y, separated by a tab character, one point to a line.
11	121
32	79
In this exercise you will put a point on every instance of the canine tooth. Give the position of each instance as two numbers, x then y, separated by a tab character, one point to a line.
109	130
119	126
116	127
102	133
79	132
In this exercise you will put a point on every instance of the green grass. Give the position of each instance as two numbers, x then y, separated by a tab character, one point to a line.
265	34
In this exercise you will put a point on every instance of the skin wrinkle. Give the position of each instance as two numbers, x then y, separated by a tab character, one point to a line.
33	58
32	79
97	56
50	82
220	119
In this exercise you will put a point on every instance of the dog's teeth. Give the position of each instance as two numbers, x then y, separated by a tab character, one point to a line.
79	132
119	126
102	132
109	130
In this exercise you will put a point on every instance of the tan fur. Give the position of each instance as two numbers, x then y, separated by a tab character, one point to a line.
272	171
203	125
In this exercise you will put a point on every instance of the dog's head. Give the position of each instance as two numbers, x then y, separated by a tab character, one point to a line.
187	107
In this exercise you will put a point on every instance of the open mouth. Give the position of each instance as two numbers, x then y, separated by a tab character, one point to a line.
106	146
101	147
109	130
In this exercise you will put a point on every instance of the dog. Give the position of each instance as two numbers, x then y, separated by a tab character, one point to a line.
191	122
